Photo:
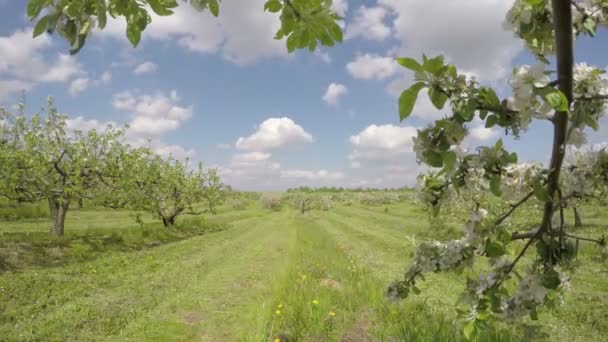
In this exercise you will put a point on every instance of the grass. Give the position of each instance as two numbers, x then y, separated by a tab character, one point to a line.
254	275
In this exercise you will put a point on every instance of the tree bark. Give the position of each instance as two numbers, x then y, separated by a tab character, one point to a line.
169	220
577	218
564	51
58	211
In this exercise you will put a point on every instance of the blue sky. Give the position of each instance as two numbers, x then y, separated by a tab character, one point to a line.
223	92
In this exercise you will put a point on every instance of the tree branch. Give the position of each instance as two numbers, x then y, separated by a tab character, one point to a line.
592	98
513	208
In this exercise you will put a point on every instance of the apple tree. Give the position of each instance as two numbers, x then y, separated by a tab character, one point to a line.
42	159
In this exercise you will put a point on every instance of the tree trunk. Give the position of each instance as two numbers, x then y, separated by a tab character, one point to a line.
80	203
58	211
577	218
564	51
169	220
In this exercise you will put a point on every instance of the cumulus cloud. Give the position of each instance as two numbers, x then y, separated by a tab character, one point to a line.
250	157
84	125
243	34
152	114
274	133
145	68
436	26
310	175
368	23
340	7
381	142
333	93
371	66
25	63
81	84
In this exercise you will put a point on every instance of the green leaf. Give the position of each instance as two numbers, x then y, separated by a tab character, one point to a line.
273	6
495	249
434	65
335	31
41	26
72	10
491	121
214	8
158	8
557	100
495	185
407	100
292	41
133	33
551	279
438	98
491	97
434	159
533	314
540	192
410	63
470	330
449	160
34	7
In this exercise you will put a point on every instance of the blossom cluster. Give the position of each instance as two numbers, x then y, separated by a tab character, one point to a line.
532	21
525	82
434	256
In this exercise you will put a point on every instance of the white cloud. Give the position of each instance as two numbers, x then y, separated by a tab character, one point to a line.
25	63
469	33
333	93
243	33
84	125
369	24
479	133
153	115
340	7
324	56
8	87
381	142
81	84
371	66
106	77
174	151
274	133
63	69
249	157
308	175
145	68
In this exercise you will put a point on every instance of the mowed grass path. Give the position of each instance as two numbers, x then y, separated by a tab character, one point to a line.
320	276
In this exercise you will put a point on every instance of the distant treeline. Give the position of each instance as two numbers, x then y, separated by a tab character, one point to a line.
308	189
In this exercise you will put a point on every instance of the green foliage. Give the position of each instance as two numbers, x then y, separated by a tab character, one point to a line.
168	188
305	23
42	159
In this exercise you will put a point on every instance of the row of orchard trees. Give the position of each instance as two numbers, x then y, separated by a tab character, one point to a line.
41	159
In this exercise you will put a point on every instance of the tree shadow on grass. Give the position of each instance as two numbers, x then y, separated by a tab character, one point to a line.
20	250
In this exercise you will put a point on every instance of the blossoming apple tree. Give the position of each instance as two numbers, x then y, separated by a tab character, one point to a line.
571	100
167	188
42	159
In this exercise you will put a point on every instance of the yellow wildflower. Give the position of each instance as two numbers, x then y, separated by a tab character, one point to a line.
332	314
280	306
277	340
278	312
315	302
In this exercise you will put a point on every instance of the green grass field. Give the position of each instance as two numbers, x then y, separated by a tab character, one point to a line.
254	275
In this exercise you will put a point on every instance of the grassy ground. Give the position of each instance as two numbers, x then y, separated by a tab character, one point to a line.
253	275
